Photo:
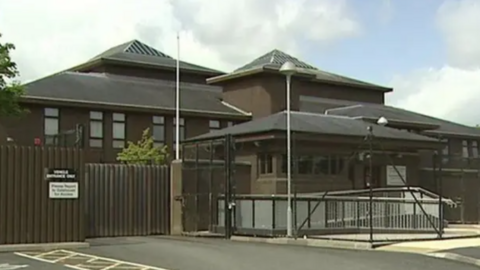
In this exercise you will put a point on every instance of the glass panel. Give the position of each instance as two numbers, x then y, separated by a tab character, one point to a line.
119	131
336	165
158	144
51	126
159	133
159	120
96	115
284	163
446	151
305	164
265	163
182	121
475	149
118	143
181	135
52	112
320	165
49	140
96	143
214	124
96	129
465	149
119	117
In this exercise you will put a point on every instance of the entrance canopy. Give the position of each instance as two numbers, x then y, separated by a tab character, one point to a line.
315	124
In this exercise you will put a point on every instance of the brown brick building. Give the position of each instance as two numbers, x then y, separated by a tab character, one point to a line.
128	88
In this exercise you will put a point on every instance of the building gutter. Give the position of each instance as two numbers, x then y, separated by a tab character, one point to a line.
126	107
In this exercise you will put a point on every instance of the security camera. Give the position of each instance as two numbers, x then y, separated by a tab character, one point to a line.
382	121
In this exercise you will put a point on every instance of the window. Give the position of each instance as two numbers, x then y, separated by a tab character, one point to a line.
321	165
465	150
336	165
181	134
265	163
158	130
51	125
315	165
446	151
96	129
474	149
214	125
305	164
230	124
118	130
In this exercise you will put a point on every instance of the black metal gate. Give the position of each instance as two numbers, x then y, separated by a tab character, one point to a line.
207	177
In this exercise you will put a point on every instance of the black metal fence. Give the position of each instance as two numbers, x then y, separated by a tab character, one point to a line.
68	138
207	173
394	211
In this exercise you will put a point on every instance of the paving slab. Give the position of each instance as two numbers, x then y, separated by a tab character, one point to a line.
473	252
432	246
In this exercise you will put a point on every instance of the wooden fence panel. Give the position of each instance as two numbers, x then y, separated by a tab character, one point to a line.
127	200
27	214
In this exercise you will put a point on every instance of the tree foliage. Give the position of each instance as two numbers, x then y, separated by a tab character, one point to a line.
143	152
10	91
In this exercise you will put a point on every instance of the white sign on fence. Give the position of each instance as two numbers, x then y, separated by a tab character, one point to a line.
393	178
63	190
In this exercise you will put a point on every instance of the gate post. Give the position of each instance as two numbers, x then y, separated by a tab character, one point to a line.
176	198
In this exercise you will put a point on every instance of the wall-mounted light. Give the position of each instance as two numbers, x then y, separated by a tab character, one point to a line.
382	121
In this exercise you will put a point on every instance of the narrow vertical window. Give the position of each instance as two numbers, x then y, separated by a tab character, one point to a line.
158	130
51	125
118	130
96	129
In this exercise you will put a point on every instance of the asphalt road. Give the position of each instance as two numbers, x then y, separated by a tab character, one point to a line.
217	254
10	261
472	252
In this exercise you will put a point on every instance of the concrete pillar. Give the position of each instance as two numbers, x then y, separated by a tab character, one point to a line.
176	226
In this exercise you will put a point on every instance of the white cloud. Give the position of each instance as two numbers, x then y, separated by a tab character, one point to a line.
452	91
52	35
386	11
459	22
441	92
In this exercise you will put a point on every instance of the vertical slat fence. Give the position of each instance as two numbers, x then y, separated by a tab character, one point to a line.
127	200
27	214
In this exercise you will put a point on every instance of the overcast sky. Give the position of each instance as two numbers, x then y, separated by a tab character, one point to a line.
429	50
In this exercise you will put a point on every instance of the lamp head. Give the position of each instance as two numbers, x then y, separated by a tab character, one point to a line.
288	68
382	121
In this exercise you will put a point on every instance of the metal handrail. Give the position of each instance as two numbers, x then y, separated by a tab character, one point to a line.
348	194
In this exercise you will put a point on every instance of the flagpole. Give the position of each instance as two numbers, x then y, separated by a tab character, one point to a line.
177	103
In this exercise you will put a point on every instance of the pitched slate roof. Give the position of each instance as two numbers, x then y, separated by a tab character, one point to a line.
313	123
108	89
275	59
137	52
397	114
320	105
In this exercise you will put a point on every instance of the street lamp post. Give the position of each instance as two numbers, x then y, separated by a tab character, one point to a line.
288	69
382	121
